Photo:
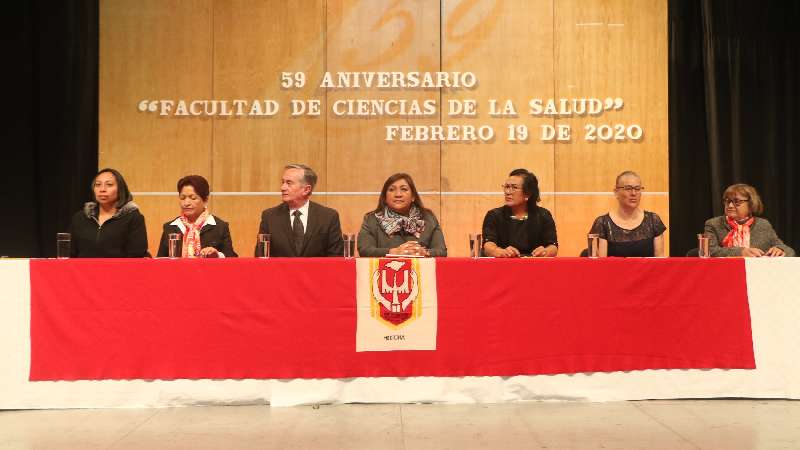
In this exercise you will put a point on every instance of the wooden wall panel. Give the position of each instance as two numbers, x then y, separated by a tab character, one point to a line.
613	48
519	49
509	46
384	35
254	41
153	49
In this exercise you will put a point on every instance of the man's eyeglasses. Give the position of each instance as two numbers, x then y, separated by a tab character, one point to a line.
631	188
510	187
736	202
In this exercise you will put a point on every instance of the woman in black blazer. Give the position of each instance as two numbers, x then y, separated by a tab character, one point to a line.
109	226
204	235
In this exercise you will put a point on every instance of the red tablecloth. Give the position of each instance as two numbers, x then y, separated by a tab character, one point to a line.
295	318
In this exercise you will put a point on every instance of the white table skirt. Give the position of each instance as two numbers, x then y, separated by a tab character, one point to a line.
773	287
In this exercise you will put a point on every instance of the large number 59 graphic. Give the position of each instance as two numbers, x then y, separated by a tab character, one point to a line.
483	13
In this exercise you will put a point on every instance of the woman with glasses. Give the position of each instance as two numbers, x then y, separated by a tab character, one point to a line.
740	232
520	227
629	230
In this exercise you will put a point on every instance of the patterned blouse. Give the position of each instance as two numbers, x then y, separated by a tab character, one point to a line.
635	242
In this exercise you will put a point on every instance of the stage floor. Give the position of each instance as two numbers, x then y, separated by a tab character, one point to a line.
671	424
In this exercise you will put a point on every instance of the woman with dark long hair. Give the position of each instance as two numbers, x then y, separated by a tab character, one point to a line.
520	227
400	224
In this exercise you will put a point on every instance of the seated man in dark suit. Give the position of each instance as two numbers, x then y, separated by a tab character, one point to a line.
300	227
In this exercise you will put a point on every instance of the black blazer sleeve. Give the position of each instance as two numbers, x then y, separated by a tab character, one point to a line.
335	243
436	247
368	238
225	244
136	245
549	236
74	245
490	225
163	249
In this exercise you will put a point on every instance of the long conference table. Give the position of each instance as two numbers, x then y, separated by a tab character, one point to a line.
160	332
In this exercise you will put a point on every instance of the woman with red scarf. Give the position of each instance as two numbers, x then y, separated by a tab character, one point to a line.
741	232
204	235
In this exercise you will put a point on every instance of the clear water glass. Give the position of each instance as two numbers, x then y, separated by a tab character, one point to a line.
349	240
594	245
175	245
702	246
63	244
475	245
262	246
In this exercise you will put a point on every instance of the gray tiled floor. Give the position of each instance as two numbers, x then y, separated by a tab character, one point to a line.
691	424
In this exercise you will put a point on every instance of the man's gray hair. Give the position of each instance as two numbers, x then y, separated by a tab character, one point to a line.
309	176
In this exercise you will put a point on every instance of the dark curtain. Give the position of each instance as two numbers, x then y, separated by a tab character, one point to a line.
734	86
51	130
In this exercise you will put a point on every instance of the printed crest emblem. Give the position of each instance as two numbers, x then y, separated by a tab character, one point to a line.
395	291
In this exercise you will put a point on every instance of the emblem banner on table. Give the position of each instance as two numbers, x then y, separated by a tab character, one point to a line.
298	317
397	304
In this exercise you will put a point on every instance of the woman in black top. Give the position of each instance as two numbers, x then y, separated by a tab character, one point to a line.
521	227
629	230
203	235
111	225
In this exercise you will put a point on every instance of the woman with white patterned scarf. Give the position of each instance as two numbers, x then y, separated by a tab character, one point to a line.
204	235
400	224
